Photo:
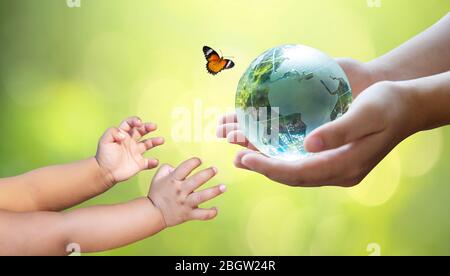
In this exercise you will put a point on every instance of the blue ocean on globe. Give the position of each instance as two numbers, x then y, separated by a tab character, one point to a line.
286	93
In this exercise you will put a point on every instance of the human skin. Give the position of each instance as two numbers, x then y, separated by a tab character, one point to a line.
394	99
172	200
119	157
31	225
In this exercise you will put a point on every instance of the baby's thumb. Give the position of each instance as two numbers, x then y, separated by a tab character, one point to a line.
163	171
112	135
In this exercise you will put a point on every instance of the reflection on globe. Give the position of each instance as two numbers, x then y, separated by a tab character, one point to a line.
286	93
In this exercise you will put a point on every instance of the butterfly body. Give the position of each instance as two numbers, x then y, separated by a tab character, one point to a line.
215	62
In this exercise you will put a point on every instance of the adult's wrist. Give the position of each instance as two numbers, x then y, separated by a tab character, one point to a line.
417	106
431	96
378	71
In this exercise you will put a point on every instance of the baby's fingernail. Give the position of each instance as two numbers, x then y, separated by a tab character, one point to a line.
214	170
222	188
315	144
121	135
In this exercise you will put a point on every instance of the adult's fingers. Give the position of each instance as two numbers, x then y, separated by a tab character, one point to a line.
228	118
223	130
185	168
308	172
274	169
344	166
238	159
358	122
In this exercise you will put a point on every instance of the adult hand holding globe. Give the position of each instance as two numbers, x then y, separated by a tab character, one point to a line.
348	145
286	93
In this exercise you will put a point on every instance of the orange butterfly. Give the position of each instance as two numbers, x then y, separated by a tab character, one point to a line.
216	63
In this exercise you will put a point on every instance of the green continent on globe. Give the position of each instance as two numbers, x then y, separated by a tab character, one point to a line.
286	93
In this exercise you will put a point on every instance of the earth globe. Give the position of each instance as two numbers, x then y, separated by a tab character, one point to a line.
286	93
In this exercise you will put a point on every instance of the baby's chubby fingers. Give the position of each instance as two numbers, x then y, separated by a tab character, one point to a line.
150	163
222	131
198	179
130	123
203	214
185	168
113	135
150	143
237	137
200	197
138	132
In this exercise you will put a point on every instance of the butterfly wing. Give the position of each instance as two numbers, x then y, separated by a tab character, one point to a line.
214	67
210	54
215	62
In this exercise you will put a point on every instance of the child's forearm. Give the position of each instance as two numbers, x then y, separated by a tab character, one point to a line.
106	227
93	229
54	188
426	54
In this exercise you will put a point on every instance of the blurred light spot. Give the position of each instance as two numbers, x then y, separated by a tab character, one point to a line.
329	237
112	61
295	230
156	98
379	186
25	84
72	120
420	152
265	225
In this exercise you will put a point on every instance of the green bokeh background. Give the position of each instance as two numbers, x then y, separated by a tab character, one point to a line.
68	74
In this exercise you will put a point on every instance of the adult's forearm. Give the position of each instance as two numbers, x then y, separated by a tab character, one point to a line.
54	188
92	229
424	55
431	100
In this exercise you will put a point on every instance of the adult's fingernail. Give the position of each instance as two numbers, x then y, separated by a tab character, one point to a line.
315	144
214	170
245	159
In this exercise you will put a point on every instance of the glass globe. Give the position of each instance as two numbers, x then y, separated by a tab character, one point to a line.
286	93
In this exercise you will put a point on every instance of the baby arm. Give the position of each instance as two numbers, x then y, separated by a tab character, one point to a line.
93	229
119	156
53	188
172	200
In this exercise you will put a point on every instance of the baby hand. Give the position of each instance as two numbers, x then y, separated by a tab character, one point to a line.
120	150
173	192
